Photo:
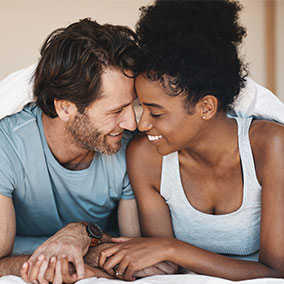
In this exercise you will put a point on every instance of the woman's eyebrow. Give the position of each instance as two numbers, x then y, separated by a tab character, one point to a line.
153	105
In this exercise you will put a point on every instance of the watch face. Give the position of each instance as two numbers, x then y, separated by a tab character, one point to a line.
94	230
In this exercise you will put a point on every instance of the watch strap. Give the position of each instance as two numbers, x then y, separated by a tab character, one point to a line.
94	241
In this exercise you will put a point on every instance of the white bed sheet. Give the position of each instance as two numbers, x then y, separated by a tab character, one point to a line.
159	279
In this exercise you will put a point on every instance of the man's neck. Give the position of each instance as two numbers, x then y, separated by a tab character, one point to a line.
63	146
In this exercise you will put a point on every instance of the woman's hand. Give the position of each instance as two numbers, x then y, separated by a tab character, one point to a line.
132	255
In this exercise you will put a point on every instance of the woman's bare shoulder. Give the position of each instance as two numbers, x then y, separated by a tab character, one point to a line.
266	134
141	149
267	143
143	160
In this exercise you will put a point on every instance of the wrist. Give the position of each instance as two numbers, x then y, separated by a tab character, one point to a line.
170	252
82	235
94	232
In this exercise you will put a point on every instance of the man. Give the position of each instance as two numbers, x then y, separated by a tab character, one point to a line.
63	159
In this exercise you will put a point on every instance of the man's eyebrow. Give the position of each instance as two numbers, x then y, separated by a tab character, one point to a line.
153	105
118	108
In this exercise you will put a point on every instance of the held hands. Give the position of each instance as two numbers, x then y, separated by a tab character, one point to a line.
71	243
67	271
59	258
137	257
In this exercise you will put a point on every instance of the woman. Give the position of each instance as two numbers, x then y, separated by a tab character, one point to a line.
214	183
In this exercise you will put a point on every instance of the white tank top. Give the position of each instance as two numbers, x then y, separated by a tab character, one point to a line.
234	233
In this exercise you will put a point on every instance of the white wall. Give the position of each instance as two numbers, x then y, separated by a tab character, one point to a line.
24	24
253	48
280	48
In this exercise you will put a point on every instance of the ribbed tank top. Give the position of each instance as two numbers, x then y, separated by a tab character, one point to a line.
234	233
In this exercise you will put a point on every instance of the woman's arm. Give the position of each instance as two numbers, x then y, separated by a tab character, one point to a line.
144	171
268	148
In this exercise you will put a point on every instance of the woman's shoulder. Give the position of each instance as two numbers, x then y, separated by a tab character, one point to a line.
143	160
267	143
267	134
141	150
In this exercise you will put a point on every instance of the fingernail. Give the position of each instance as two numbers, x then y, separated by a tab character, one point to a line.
35	282
53	259
25	265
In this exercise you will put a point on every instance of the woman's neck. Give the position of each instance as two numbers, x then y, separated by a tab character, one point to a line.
217	143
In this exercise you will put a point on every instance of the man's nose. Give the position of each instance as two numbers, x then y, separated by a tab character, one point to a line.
129	120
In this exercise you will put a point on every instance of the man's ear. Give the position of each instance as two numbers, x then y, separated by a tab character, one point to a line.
65	109
208	106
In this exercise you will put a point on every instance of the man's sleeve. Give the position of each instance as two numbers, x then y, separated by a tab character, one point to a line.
8	162
255	100
16	90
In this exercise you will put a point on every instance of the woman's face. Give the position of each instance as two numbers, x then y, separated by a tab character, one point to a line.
164	119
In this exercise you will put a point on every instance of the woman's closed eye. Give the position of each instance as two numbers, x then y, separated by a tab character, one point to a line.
155	115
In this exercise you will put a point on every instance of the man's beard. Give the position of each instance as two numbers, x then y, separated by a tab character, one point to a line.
87	136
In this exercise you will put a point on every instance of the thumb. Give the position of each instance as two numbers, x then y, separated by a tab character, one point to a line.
121	239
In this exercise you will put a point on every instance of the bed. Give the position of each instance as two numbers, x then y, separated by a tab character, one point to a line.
158	279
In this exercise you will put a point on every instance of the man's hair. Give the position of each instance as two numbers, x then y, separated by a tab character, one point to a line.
74	58
191	47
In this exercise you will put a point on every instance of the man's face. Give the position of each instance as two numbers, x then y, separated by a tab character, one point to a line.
100	127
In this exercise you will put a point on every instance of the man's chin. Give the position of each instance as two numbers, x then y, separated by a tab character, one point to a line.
110	148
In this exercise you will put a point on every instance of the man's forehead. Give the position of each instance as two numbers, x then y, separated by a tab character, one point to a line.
116	85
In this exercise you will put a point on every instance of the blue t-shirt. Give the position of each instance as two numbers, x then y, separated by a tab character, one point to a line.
48	196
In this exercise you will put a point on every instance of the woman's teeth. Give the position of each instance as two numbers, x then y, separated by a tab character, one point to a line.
153	138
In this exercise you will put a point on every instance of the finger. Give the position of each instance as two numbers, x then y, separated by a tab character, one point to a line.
58	275
113	263
34	268
106	253
119	270
24	271
67	277
50	271
42	271
121	239
80	267
129	274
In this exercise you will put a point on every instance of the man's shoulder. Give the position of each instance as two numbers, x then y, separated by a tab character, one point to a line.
20	128
19	120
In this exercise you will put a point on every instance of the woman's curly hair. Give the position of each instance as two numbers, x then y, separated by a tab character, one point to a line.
191	47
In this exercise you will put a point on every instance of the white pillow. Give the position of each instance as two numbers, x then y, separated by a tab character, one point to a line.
16	90
255	100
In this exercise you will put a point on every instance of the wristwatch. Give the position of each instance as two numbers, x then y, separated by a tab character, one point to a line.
94	231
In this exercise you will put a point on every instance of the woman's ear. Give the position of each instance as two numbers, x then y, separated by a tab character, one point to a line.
65	109
208	107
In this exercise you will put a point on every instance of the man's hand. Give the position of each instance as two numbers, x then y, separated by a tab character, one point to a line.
68	272
71	242
93	254
164	267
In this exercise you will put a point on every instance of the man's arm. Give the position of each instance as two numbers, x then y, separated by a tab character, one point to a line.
12	265
8	265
